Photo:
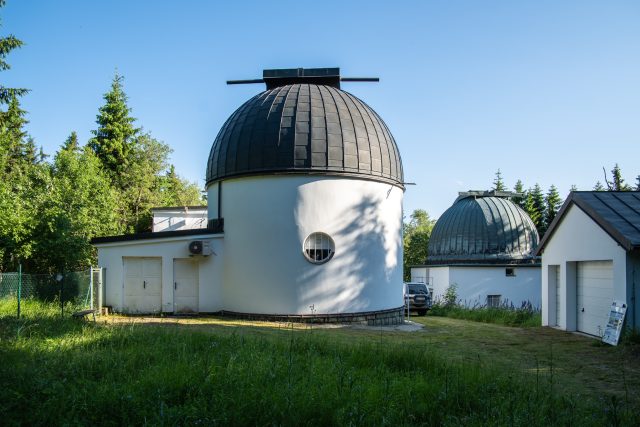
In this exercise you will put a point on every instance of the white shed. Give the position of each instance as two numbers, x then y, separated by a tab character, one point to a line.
591	258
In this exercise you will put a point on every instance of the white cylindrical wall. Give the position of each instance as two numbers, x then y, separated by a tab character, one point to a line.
267	219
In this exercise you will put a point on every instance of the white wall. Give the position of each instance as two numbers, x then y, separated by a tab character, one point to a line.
179	219
633	287
419	274
578	238
110	256
475	283
267	220
439	281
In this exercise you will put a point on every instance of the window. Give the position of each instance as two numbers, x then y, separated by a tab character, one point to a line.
510	272
493	301
318	248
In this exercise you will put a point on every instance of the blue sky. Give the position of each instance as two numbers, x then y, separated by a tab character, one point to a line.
547	91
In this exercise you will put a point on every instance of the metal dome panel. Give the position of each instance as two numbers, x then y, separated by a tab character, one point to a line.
483	229
305	128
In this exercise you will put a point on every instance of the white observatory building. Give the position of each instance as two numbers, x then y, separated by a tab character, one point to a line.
484	244
305	188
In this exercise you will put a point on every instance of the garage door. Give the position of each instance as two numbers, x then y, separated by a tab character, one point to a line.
142	285
594	289
185	286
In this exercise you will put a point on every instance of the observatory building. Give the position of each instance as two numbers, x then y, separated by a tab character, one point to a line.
484	244
305	185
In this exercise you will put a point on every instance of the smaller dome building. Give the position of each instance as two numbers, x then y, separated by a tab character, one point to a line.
484	244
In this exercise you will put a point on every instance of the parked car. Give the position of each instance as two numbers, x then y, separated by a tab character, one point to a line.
417	298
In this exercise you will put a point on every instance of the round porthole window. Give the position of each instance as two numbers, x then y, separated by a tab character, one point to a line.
318	248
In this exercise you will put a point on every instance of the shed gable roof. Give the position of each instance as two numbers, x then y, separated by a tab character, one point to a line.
616	212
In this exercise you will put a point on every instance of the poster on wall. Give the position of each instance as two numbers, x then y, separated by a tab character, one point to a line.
614	325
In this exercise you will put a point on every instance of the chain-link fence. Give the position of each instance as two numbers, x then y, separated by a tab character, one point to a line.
78	290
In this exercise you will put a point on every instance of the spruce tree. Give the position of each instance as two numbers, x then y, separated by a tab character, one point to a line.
519	200
535	207
573	188
7	44
116	135
176	191
498	183
553	202
599	187
71	143
618	183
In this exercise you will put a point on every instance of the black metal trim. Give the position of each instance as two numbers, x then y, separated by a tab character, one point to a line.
282	172
486	264
216	225
151	235
370	317
166	208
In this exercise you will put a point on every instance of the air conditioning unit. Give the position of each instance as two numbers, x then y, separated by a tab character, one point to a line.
200	247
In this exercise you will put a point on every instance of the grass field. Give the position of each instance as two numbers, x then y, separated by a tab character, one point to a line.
213	371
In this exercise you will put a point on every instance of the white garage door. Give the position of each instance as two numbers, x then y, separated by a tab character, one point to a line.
594	288
185	285
142	285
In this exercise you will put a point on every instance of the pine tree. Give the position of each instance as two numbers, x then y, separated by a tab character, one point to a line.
535	207
618	183
498	183
175	191
573	188
71	143
519	200
13	136
7	44
553	202
116	135
599	187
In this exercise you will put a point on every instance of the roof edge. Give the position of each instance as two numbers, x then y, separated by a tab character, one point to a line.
153	235
173	208
574	199
284	172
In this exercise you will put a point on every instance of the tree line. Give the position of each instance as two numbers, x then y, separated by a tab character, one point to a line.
50	207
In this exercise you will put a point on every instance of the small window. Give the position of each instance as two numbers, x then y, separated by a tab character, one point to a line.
319	248
493	301
510	272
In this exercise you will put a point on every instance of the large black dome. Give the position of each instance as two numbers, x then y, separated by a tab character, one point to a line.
481	228
305	128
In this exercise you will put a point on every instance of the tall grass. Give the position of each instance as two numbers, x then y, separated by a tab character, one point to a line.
510	316
61	371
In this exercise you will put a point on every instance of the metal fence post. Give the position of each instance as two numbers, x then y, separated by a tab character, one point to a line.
19	286
91	288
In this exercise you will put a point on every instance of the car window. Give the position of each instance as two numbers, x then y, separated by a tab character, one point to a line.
417	289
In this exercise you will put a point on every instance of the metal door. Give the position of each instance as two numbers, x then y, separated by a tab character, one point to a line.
185	285
142	285
594	295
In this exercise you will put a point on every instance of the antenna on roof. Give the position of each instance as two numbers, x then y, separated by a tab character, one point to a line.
287	76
